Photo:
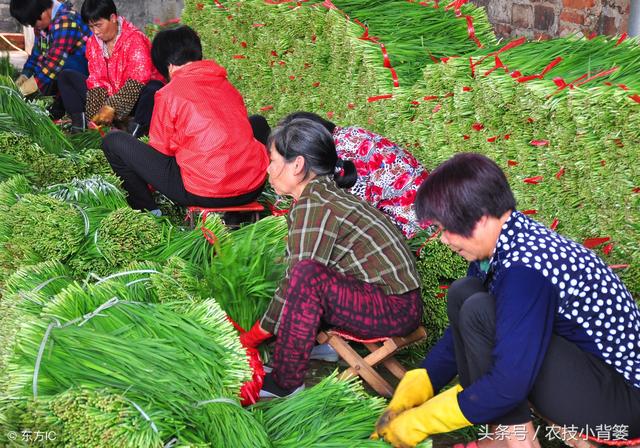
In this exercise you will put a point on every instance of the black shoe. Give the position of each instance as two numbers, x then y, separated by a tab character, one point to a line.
271	390
78	123
137	130
56	110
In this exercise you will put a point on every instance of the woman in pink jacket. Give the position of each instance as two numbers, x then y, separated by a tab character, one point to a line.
122	79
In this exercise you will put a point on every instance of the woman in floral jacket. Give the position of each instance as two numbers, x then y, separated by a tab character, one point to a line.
388	176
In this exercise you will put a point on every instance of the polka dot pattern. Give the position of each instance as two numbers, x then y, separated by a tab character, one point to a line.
589	292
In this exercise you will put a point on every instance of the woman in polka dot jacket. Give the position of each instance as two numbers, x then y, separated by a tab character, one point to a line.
540	321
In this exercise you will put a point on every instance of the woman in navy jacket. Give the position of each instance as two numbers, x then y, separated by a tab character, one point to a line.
540	320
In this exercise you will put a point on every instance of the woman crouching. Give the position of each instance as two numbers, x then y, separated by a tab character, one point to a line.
348	265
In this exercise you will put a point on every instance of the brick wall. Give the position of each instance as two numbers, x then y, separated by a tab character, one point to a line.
550	18
7	24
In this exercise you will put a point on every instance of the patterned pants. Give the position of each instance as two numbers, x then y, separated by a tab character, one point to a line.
319	295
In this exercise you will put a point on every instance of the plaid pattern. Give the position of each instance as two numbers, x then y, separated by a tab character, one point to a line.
317	294
66	36
336	229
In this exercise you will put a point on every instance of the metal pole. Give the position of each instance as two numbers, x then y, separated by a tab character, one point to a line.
634	18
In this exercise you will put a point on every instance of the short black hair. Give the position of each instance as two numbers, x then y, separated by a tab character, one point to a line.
309	116
462	190
28	12
94	10
175	46
312	141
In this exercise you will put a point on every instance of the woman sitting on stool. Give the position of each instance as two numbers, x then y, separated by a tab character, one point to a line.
202	151
348	265
539	320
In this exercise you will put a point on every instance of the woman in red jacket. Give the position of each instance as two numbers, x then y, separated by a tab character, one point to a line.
122	79
202	150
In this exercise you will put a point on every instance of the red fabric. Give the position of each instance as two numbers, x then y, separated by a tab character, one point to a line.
250	391
630	442
254	337
200	119
130	59
352	337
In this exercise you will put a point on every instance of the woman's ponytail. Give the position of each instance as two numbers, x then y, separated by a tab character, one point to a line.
345	173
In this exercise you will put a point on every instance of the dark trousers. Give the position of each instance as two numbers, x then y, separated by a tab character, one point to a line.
73	90
573	387
139	165
319	295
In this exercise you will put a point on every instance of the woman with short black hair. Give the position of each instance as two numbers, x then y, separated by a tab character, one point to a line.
348	266
175	48
202	150
540	320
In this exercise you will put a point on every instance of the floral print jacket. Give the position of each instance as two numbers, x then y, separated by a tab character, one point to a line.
388	176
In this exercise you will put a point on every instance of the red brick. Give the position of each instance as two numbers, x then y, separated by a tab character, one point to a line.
572	17
522	16
545	17
608	25
624	24
481	2
578	4
542	36
566	29
502	29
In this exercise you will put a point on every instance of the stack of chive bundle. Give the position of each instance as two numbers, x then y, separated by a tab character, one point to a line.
244	273
165	361
416	35
94	191
580	139
31	120
117	238
39	227
332	413
44	168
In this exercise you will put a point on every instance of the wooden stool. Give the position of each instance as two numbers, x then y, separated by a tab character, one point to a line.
253	207
382	351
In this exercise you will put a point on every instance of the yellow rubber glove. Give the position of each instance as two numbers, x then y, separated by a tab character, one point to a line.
28	86
414	389
440	414
20	80
105	115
